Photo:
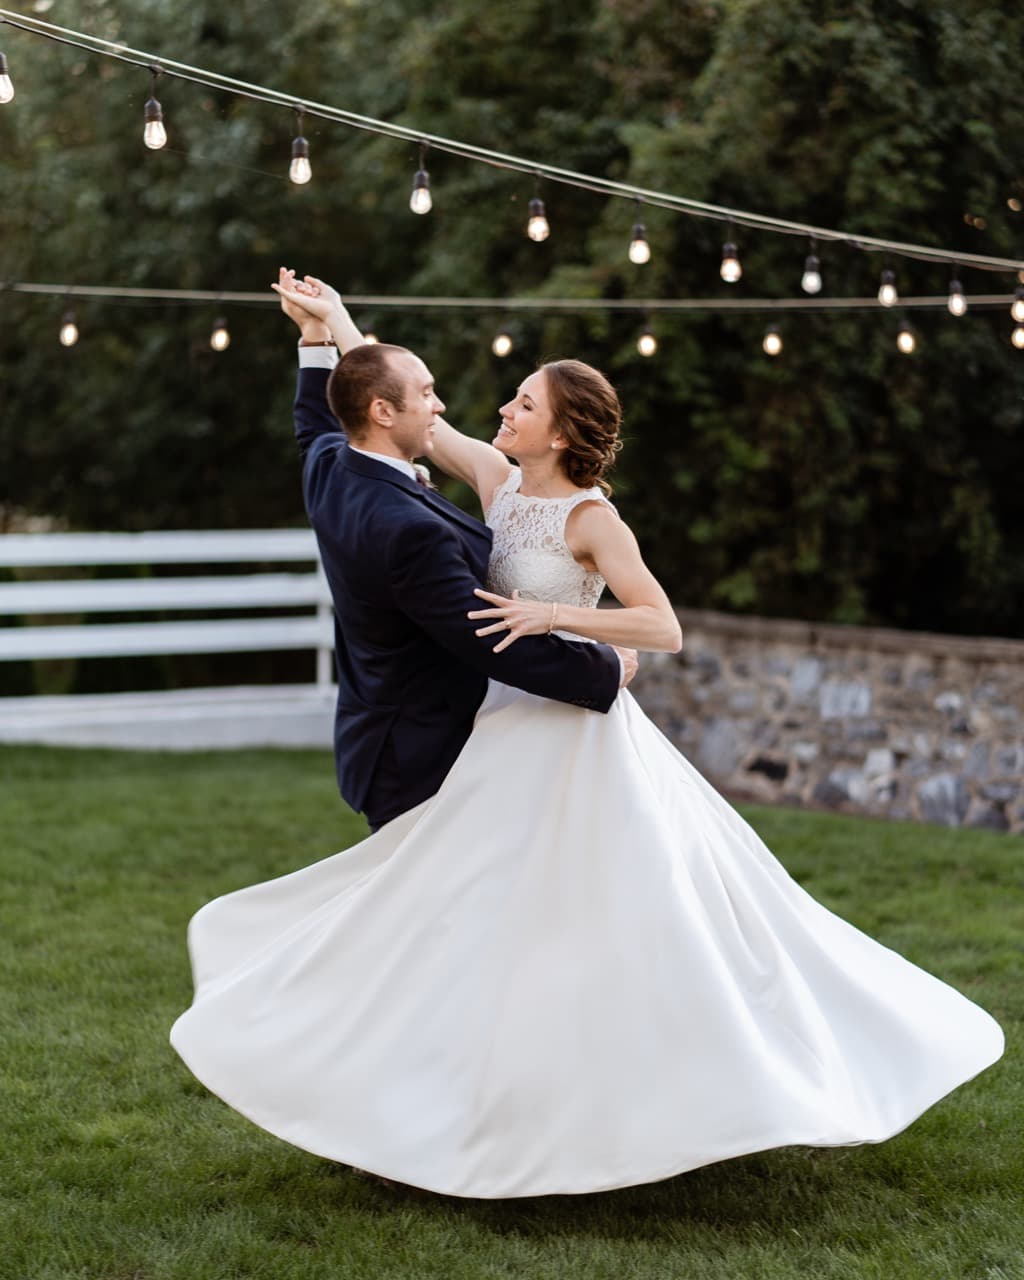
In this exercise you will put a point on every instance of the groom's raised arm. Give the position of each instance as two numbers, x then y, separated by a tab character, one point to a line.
433	586
313	417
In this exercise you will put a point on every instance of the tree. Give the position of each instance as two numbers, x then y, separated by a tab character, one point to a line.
841	481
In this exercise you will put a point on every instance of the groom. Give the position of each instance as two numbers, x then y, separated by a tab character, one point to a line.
402	563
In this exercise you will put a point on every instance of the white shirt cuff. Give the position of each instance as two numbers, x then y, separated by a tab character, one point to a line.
318	357
622	669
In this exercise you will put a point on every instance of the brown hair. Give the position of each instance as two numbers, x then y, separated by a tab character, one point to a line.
362	375
586	410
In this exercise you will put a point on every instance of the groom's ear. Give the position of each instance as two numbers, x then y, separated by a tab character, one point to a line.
381	412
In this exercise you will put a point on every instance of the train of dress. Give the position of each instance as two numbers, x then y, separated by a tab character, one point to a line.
575	968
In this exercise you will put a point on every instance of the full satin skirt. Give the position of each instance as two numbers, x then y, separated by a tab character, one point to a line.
574	968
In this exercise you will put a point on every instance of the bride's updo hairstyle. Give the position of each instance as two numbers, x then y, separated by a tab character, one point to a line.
586	410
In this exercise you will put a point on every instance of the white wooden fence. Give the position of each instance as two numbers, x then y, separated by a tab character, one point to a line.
238	716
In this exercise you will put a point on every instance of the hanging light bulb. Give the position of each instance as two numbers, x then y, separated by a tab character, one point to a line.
421	201
639	249
906	339
1017	337
68	329
300	171
730	270
956	302
887	294
6	84
647	343
1017	307
772	341
502	344
154	135
220	339
371	339
537	227
810	281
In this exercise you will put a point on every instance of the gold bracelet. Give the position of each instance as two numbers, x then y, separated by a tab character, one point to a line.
554	615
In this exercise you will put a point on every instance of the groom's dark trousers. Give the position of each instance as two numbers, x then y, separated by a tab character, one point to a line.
402	563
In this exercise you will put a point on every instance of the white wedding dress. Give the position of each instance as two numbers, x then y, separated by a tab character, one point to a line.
574	968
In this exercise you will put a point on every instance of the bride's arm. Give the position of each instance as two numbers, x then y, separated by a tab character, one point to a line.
598	540
480	465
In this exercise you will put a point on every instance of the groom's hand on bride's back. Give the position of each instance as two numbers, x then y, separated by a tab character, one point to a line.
630	664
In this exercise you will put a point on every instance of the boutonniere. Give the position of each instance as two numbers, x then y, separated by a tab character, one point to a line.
423	475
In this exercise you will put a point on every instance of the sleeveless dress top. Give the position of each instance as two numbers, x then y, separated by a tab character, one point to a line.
530	554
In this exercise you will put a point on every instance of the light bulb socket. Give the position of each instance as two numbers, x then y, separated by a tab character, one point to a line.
639	231
888	277
3	64
300	148
421	182
536	208
729	250
153	110
955	286
812	263
68	317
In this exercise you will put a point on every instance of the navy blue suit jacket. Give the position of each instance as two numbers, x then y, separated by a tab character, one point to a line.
402	562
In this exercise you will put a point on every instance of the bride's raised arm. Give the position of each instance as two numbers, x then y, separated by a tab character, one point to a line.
475	462
599	540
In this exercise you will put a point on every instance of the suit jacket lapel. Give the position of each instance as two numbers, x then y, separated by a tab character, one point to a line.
374	470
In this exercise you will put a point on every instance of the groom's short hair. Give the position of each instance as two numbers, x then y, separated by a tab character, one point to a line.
362	375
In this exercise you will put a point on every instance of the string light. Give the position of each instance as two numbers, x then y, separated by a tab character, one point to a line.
537	227
730	270
639	248
647	343
957	303
220	339
370	339
906	339
1017	306
421	200
772	341
502	344
121	52
68	329
154	135
887	294
810	281
300	171
6	84
1017	337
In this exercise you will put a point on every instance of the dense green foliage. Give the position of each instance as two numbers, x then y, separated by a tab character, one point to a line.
118	1164
842	481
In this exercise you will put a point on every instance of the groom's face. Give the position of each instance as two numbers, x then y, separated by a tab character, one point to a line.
412	426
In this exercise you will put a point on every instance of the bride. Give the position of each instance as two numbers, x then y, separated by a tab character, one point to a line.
575	967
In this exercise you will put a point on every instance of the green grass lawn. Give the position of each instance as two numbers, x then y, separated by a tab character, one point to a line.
116	1165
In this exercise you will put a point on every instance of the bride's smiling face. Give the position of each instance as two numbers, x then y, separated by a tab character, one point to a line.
527	429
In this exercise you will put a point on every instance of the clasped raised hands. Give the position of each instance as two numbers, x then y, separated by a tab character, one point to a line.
308	295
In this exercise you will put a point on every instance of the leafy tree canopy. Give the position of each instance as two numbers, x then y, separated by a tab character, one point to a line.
841	481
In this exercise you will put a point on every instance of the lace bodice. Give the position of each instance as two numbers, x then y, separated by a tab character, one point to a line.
530	551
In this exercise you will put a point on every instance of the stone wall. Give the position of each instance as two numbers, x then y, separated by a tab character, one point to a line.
898	724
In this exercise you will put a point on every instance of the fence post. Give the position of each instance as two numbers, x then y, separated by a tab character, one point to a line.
324	613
